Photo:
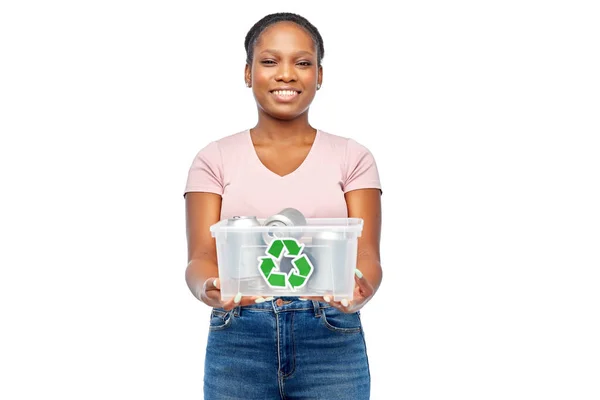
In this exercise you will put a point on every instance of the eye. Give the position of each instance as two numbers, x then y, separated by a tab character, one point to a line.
305	63
267	62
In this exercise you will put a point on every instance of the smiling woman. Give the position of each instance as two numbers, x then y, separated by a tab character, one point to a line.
283	347
285	70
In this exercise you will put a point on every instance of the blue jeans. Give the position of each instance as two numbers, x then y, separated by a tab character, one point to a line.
286	349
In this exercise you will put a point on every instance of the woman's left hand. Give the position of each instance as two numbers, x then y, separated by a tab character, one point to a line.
363	291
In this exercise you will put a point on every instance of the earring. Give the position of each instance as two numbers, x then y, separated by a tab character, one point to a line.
318	86
247	84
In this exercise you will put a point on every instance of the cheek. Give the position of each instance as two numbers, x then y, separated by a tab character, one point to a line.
311	75
261	76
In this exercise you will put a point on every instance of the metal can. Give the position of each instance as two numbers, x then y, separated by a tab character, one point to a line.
285	217
246	246
243	221
328	253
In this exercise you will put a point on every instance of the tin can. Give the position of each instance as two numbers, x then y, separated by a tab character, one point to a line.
246	247
328	253
243	221
285	217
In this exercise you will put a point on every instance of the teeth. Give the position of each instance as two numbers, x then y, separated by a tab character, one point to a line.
285	92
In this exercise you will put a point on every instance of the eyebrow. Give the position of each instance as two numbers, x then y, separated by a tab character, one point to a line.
301	52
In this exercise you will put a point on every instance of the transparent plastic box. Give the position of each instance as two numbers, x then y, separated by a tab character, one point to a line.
315	259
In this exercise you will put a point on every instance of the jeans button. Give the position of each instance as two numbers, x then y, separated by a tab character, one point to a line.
279	302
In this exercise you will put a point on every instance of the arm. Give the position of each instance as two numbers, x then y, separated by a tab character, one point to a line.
366	204
201	211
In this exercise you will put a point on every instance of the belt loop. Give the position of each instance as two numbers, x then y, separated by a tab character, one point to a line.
317	308
237	311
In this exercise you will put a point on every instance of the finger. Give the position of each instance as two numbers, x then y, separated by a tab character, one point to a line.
362	282
211	284
321	299
233	302
344	305
245	301
213	295
254	300
329	299
337	303
210	294
308	298
212	299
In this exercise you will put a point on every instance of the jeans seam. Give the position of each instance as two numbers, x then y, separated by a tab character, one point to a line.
293	369
281	387
279	377
340	330
362	334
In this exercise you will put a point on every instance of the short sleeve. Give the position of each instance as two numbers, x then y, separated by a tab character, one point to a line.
206	172
361	168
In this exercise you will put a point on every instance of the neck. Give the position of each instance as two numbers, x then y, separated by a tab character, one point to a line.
271	128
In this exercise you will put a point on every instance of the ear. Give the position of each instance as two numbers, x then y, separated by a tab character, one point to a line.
247	75
320	75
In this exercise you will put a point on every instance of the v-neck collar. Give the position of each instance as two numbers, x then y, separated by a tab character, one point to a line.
294	172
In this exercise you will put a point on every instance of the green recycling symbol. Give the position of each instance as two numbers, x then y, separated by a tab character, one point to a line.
269	265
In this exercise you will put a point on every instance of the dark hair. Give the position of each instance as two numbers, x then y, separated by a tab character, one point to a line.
260	26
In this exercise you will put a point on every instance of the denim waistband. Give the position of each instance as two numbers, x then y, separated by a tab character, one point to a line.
284	304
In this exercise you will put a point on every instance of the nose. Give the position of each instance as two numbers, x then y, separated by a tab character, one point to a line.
286	72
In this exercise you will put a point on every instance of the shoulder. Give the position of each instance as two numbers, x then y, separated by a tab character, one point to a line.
227	142
358	166
346	146
232	141
224	145
333	141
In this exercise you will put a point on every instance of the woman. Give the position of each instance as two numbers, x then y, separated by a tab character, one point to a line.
283	348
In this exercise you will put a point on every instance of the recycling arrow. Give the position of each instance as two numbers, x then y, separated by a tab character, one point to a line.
269	264
304	268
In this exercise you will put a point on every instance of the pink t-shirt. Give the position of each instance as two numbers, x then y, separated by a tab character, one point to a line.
231	168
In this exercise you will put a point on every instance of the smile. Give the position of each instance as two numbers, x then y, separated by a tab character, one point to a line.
285	95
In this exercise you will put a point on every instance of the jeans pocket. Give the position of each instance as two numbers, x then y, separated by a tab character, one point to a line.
219	319
341	322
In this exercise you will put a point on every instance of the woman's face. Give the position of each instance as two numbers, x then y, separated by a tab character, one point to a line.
284	73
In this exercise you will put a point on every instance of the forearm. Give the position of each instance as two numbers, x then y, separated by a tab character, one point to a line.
197	272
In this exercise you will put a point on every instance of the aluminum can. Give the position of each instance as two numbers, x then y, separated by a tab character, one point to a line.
328	253
285	217
245	247
243	221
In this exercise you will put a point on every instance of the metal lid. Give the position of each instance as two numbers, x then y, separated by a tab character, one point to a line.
243	220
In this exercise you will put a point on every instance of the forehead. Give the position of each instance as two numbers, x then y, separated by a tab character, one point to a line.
285	36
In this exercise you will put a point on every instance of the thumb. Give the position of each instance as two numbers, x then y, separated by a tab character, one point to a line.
362	282
212	284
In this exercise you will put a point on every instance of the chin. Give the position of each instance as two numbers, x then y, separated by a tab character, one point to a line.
285	115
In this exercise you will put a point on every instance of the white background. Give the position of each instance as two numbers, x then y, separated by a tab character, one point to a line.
483	118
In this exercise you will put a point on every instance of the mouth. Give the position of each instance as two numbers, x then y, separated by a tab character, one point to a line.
285	95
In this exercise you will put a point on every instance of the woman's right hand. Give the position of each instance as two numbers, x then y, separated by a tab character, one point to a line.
211	295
